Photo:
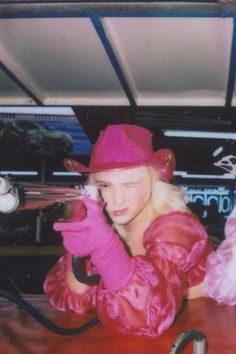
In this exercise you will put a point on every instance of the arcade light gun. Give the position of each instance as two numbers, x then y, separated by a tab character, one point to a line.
27	196
15	197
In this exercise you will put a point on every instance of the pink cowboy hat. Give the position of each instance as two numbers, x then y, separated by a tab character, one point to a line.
125	146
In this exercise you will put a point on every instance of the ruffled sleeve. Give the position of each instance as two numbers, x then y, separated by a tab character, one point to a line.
178	243
144	305
149	301
60	294
217	283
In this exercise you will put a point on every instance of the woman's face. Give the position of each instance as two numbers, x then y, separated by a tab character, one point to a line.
126	192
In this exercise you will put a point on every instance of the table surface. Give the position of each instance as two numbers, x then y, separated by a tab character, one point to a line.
21	334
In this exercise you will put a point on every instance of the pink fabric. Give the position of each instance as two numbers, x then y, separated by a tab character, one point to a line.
147	303
181	240
122	146
178	249
59	293
94	236
216	283
79	211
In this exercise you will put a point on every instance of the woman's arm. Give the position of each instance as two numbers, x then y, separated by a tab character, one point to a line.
65	292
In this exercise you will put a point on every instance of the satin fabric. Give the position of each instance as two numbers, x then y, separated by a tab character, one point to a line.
216	283
176	250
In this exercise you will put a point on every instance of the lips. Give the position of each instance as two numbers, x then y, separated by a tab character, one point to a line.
119	212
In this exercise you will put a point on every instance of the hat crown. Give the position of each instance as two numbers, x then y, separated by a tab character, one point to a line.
122	143
125	146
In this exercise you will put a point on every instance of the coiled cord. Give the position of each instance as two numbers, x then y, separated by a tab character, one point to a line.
78	265
45	321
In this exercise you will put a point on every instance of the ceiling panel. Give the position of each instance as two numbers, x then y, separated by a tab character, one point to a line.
173	61
62	60
108	54
109	60
10	93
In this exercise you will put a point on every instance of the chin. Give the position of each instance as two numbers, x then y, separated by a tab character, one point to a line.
121	220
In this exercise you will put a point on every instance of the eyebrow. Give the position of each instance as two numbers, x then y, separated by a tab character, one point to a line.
131	182
124	182
101	181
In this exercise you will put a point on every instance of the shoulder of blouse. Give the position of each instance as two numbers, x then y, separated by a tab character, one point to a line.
177	223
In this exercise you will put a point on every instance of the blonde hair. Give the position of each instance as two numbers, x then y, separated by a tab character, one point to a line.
167	197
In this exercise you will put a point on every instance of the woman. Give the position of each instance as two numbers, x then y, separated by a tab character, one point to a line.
154	253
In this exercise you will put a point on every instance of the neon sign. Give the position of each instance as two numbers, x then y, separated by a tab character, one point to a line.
222	199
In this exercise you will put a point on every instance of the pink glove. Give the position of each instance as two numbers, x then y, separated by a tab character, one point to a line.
94	236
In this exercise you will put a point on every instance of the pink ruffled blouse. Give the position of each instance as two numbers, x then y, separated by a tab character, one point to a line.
176	251
217	284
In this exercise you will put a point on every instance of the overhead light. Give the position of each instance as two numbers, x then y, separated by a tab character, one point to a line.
199	134
218	151
37	110
66	174
203	176
19	173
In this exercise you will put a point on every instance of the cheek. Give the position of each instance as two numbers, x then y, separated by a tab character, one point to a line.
138	197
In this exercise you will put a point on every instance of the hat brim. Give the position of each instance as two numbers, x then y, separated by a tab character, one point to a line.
163	160
165	163
74	166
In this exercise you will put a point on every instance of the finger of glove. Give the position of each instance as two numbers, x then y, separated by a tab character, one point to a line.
79	211
92	206
93	210
70	226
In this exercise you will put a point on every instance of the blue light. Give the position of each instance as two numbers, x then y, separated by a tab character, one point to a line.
19	173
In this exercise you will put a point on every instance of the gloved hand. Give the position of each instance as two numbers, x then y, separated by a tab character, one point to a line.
94	236
84	235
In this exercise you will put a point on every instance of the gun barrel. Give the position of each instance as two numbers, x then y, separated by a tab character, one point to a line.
26	196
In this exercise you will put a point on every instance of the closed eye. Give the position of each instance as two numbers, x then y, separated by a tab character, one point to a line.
102	185
132	184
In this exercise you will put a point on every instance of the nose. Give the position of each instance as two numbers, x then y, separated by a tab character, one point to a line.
118	197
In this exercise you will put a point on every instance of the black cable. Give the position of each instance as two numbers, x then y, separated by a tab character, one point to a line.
45	321
79	271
